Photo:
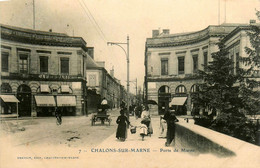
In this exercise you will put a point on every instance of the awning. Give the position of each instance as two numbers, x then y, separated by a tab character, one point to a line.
45	88
179	101
45	101
66	101
65	88
9	98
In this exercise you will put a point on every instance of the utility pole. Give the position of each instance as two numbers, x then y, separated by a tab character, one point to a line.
33	15
128	62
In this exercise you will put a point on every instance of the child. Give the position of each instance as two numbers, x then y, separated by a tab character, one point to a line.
122	120
143	130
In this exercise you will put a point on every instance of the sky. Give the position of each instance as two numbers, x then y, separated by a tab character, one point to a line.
102	21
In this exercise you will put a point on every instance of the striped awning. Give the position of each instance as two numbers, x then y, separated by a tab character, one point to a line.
178	101
65	88
66	101
9	98
45	101
45	88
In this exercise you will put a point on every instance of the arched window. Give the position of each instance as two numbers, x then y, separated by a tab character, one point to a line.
24	89
181	89
164	89
6	88
194	88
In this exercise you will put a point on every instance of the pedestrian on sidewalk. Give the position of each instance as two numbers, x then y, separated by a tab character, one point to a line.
146	119
122	122
170	118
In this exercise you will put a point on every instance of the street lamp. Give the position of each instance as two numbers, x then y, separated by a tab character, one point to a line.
127	59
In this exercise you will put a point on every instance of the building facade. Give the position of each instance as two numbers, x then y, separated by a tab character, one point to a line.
102	84
44	70
172	62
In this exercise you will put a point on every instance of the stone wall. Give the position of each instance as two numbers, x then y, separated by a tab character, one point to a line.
206	141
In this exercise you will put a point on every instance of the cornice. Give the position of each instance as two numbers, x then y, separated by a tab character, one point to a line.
189	38
28	36
172	79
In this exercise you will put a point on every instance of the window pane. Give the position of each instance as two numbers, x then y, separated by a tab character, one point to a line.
23	63
164	67
195	63
65	65
4	61
237	63
43	64
181	65
205	59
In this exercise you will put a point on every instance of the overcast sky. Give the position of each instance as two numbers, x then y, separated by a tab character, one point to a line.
99	21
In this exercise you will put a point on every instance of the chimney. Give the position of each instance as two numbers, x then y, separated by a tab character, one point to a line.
252	21
90	51
155	33
112	72
101	63
166	31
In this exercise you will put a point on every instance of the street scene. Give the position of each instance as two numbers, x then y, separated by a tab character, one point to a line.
130	83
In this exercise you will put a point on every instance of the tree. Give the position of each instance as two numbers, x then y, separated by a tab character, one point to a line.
220	92
248	87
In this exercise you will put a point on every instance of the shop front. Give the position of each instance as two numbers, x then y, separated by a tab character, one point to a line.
67	104
45	105
9	105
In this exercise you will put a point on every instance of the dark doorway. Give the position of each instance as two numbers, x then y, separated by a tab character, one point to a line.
24	95
164	97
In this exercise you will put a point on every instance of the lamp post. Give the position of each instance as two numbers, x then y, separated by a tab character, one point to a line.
127	59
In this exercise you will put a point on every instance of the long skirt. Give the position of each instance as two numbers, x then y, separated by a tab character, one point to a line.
121	131
170	134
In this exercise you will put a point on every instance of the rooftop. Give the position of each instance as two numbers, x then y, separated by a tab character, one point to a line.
164	40
30	36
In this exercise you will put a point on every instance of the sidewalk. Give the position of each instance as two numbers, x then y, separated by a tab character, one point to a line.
148	153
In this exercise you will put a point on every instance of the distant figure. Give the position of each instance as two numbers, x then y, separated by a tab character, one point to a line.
122	120
104	104
58	115
123	105
170	118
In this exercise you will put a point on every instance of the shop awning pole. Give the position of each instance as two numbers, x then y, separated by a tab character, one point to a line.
17	113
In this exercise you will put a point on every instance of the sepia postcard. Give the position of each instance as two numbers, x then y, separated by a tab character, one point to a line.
133	83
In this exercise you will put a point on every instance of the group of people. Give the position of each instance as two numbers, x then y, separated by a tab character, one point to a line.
169	117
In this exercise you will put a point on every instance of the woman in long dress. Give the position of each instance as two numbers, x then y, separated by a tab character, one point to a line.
170	119
122	120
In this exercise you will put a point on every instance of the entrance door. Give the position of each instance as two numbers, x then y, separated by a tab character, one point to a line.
164	97
24	95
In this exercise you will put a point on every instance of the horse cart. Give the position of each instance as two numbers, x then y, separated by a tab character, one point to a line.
101	116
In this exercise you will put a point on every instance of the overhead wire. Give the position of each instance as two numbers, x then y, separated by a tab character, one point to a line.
96	26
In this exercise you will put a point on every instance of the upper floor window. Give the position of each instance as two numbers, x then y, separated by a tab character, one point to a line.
23	63
195	63
43	64
4	61
205	55
237	62
232	65
164	66
181	65
64	65
92	80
